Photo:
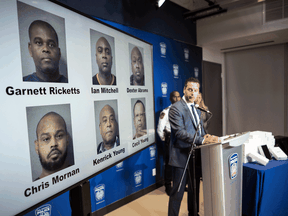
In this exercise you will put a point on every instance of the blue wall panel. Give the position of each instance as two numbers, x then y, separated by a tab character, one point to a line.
60	206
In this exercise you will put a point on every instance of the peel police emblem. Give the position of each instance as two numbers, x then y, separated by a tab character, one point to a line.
152	151
99	191
138	177
176	71
119	165
196	72
44	210
186	54
163	49
233	165
164	87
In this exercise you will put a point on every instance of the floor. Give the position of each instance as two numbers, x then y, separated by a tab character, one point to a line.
154	203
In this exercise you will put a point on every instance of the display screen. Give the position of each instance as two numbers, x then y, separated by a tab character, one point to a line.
76	98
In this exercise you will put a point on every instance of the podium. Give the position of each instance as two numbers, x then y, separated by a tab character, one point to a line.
222	175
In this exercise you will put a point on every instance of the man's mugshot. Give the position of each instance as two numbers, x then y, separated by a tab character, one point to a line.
137	77
104	61
44	49
51	144
139	119
109	131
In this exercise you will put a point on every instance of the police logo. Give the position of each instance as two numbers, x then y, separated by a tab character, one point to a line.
119	165
99	191
175	70
163	49
233	165
186	54
152	151
44	210
196	72
138	176
164	88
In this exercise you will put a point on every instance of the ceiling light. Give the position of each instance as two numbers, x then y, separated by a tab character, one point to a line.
160	3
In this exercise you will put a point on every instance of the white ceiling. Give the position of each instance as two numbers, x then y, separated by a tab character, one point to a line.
240	42
194	5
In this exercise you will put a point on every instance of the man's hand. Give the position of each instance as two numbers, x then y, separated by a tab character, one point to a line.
211	139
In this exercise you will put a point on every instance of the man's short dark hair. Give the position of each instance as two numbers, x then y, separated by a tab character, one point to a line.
138	101
172	94
191	79
43	23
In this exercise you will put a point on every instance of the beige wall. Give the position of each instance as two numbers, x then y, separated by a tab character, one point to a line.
255	89
266	64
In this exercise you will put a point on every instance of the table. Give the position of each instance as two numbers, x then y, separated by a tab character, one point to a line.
265	189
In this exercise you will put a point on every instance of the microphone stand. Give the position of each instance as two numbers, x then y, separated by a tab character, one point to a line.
192	152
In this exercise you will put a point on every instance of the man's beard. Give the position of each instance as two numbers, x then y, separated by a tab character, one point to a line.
54	165
139	79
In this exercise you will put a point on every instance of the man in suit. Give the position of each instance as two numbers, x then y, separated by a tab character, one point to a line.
164	132
184	119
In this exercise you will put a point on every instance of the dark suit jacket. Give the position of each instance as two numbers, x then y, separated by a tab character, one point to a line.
182	133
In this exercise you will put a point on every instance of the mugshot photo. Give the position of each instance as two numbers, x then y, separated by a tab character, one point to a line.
139	117
50	139
103	59
107	127
137	76
43	45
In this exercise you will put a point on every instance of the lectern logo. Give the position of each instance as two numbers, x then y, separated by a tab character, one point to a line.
99	191
233	164
44	210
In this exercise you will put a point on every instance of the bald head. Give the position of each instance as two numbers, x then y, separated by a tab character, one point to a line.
52	142
44	25
104	56
44	49
174	96
108	125
51	117
137	66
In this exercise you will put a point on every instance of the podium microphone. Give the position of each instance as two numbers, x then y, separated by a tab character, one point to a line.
207	111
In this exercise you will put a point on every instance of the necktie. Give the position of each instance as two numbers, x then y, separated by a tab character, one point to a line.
195	117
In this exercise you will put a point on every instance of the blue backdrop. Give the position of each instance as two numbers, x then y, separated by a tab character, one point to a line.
173	63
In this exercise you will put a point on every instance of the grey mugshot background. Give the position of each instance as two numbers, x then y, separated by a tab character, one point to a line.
94	36
26	15
98	105
133	101
34	114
